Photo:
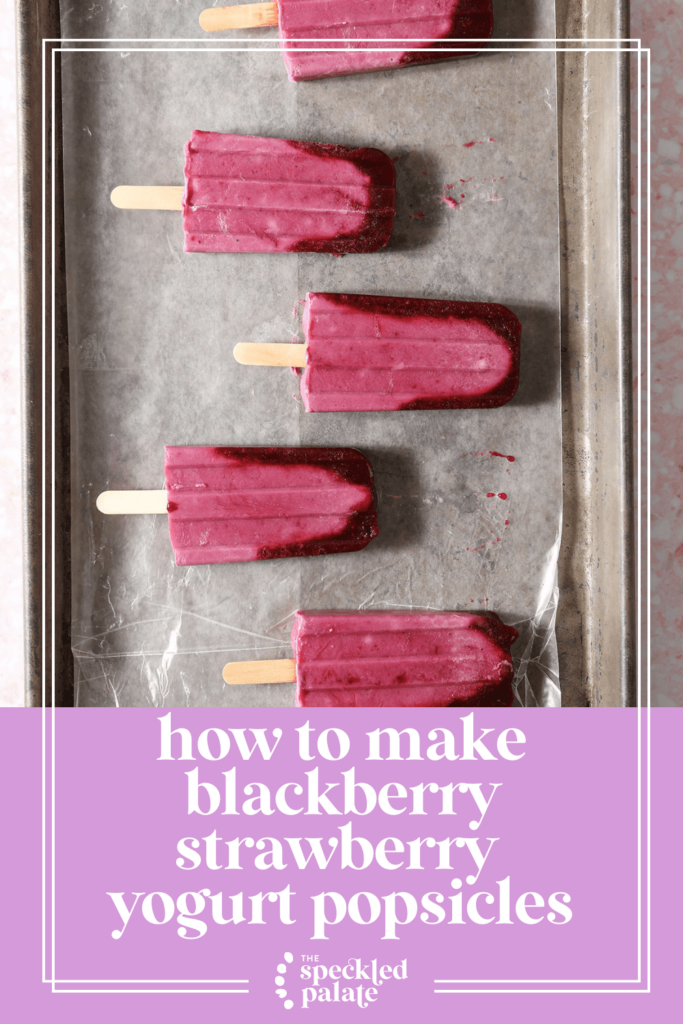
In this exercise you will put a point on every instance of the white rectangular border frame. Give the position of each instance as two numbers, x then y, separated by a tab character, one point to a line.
642	556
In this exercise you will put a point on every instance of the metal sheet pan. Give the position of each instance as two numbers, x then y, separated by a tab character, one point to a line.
594	628
596	618
458	529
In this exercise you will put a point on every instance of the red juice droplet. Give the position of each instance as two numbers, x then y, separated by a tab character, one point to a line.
500	455
507	522
490	494
503	495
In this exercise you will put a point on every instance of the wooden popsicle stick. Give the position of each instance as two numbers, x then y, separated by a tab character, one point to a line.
132	503
148	197
283	670
216	19
266	354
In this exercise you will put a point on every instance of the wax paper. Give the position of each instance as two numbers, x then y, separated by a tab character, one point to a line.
469	501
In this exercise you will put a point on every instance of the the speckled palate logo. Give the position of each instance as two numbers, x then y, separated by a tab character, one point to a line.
313	980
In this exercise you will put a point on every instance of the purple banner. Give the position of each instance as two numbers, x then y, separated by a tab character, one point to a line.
288	862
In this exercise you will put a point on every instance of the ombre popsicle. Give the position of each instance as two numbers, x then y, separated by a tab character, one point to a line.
246	193
327	38
244	504
392	659
376	352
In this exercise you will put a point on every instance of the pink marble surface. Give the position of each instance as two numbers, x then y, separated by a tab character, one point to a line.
659	23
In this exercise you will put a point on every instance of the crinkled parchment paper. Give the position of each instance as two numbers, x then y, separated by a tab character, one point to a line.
152	330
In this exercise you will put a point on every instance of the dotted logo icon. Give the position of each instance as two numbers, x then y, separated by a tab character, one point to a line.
280	980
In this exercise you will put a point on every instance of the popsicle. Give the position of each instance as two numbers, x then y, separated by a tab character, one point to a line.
373	35
377	352
245	504
392	659
245	193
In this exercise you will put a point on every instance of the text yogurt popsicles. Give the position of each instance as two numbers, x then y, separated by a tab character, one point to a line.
249	194
373	35
377	352
395	659
245	504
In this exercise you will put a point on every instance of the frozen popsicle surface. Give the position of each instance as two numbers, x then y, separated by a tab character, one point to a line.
377	352
402	659
420	30
249	194
246	504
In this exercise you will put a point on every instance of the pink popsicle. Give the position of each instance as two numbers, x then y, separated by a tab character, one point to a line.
402	659
244	193
376	352
422	26
245	504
